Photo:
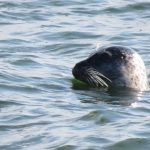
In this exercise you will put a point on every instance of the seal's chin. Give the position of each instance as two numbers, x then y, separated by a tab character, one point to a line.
90	76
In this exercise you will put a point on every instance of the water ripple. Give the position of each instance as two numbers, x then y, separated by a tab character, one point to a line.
131	143
41	106
136	7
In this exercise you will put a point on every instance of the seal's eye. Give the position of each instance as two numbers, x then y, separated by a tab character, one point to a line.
122	56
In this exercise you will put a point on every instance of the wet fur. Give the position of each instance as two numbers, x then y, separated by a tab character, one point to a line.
115	66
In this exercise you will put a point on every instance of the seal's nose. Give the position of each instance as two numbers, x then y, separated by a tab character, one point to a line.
78	68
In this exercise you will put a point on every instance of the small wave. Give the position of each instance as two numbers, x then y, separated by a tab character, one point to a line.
67	147
14	41
128	8
28	89
8	103
26	62
15	126
97	116
131	143
6	4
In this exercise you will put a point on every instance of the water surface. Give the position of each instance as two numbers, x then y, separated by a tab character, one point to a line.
40	106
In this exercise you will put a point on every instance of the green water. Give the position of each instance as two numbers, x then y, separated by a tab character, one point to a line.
41	106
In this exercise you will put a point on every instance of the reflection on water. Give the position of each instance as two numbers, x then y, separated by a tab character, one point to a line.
114	96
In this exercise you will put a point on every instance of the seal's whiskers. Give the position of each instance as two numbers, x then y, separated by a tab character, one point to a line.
95	78
90	81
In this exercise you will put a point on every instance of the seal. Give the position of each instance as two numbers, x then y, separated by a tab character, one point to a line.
114	66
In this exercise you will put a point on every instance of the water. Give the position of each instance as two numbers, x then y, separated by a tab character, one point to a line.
41	106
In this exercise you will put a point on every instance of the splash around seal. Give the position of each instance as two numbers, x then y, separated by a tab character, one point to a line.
115	66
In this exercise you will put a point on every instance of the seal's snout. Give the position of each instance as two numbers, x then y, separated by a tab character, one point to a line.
78	69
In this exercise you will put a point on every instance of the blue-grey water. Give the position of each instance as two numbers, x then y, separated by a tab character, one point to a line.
41	106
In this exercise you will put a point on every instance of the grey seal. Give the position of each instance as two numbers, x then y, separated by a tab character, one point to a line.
113	66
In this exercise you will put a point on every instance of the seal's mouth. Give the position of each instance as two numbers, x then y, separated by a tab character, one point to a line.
90	76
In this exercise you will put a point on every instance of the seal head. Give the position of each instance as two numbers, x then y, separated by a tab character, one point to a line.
114	66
